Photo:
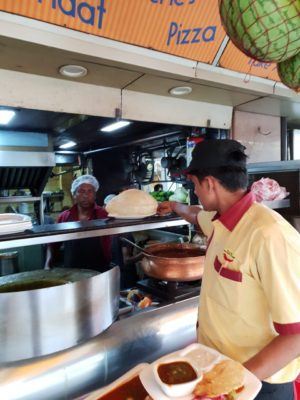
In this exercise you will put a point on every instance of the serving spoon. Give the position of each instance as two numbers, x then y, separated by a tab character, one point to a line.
135	245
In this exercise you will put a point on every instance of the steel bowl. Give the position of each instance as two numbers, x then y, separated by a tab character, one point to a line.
78	305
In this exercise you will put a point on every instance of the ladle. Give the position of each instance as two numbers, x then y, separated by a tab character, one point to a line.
137	246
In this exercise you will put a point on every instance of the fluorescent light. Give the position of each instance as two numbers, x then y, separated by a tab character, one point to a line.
115	126
6	116
67	145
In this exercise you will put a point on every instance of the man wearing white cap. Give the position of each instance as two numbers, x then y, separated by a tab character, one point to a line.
92	253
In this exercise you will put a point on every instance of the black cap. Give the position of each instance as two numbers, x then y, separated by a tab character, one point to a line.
217	153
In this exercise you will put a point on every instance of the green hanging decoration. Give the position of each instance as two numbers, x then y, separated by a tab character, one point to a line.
289	72
266	30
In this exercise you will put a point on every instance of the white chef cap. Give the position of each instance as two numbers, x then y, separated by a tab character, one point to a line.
91	180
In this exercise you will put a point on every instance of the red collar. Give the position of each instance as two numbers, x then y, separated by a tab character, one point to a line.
74	212
233	215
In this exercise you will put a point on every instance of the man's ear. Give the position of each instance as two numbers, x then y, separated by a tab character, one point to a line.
211	183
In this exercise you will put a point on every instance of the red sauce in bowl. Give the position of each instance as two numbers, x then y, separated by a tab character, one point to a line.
133	390
176	372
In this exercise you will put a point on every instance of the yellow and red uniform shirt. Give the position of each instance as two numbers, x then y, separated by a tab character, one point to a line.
251	285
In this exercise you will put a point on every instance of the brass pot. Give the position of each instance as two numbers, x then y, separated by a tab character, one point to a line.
174	262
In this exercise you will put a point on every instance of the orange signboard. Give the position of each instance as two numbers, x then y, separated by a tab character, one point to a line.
186	28
232	58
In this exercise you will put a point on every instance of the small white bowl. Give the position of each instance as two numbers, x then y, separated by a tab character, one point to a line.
178	389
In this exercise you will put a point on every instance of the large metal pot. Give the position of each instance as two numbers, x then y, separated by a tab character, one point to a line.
42	312
174	262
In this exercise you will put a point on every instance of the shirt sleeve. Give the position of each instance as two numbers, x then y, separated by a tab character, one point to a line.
63	217
101	213
279	270
204	219
60	219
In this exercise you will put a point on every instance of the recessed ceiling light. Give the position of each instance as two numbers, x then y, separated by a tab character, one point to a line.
115	126
6	116
180	90
67	145
73	71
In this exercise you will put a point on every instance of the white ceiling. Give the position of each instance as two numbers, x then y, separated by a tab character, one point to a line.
154	76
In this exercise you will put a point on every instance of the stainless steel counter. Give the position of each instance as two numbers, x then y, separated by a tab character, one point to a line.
68	374
79	230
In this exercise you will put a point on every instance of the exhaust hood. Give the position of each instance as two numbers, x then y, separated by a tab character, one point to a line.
20	166
25	170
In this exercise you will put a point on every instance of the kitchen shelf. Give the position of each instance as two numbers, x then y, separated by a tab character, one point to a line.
25	199
277	204
273	166
44	234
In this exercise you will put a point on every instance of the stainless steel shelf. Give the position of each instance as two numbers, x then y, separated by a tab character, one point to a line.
25	199
19	199
97	362
273	166
66	231
277	204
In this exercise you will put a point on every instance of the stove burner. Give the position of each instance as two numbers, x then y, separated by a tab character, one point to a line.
170	290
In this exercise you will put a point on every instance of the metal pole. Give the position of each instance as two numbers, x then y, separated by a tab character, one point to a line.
42	219
283	137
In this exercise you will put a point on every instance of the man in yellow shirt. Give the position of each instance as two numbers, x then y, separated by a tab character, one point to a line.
250	295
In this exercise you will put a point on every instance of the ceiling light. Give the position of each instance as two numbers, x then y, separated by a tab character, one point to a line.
6	116
73	71
180	90
115	126
67	145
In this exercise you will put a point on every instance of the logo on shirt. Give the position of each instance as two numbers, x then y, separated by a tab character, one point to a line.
228	256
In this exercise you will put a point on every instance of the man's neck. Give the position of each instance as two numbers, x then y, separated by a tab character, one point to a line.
84	212
228	199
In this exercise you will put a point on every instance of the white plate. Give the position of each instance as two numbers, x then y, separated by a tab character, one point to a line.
195	352
17	225
14	223
11	218
131	217
13	230
124	378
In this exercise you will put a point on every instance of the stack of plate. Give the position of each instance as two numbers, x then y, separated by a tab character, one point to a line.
14	223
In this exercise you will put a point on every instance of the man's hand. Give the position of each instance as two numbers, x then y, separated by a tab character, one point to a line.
276	355
189	213
164	208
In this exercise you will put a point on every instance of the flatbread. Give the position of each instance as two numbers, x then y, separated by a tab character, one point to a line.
132	202
224	377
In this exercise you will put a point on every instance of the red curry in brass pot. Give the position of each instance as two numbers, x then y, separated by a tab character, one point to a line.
178	253
174	261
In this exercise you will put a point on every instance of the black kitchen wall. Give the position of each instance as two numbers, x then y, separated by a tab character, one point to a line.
109	167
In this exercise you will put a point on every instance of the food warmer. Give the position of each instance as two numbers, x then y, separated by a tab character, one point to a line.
92	362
